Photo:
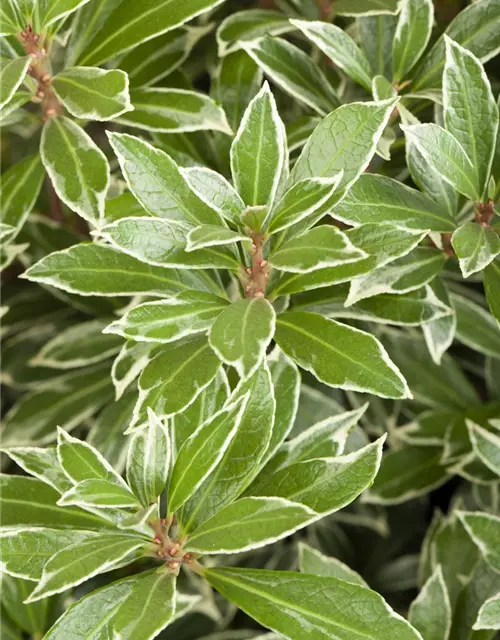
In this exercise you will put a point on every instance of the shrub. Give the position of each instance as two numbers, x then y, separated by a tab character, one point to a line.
251	323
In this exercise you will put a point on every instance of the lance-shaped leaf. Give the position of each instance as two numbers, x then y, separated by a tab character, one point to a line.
321	247
486	446
446	156
430	612
148	460
470	110
99	493
11	76
170	319
489	614
314	562
412	35
129	363
30	618
149	608
11	18
476	246
476	328
124	28
50	12
93	269
258	152
248	25
242	333
19	188
379	199
202	451
340	48
173	378
216	192
41	463
344	140
276	600
338	355
162	243
294	71
439	334
492	287
484	529
211	235
174	111
249	523
81	561
362	8
156	181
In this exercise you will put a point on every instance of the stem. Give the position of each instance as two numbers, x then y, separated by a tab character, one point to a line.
484	212
256	276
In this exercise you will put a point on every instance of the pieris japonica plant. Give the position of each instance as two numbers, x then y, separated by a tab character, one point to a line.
251	321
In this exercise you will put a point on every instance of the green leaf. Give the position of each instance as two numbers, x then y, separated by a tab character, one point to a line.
412	35
294	72
276	600
491	284
174	111
216	192
344	140
211	235
439	334
470	110
489	614
148	460
258	152
358	8
162	243
125	28
99	493
484	529
249	523
430	613
476	328
202	451
321	247
446	156
486	446
12	21
149	608
51	11
79	562
191	366
242	332
129	363
170	319
93	94
30	618
19	187
92	269
156	181
407	473
476	246
77	168
379	199
361	364
314	562
338	45
11	76
248	25
41	463
26	550
302	200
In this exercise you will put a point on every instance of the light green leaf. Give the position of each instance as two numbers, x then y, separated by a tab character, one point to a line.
379	199
12	74
294	72
125	28
356	8
430	613
412	35
476	328
11	18
99	493
52	10
439	334
156	181
489	614
6	230
360	364
484	529
148	460
299	130
129	363
249	523
149	608
211	235
476	246
77	168
340	48
81	561
486	445
248	25
258	152
41	463
314	562
191	366
174	111
93	94
92	269
170	319
202	451
382	89
446	156
242	332
321	247
276	600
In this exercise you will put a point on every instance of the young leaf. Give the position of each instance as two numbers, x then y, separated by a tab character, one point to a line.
314	562
360	364
211	235
11	76
93	94
486	446
484	529
412	35
148	460
430	613
276	600
242	332
50	12
248	25
99	493
340	48
476	246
